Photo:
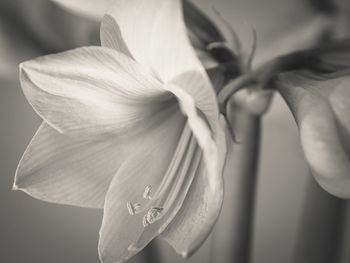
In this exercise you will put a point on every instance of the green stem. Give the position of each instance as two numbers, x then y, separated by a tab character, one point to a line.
233	231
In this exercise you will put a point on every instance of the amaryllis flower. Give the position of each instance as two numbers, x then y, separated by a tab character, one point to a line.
319	98
132	127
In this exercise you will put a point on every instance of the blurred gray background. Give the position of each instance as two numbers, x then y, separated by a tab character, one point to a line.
33	231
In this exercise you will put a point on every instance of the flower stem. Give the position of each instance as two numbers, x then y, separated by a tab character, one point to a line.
345	251
232	234
320	230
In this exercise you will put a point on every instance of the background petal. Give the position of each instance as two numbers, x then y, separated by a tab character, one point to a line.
319	107
92	91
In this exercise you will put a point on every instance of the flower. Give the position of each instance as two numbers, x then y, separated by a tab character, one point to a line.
319	98
132	127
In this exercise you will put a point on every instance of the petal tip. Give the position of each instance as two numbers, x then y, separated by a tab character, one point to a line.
23	66
105	259
15	187
184	254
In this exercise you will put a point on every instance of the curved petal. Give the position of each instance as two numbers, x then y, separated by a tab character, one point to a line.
187	170
91	91
201	208
152	186
122	235
321	107
59	169
90	8
111	37
155	34
202	132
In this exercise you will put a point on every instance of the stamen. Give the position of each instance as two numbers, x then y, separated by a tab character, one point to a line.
167	192
152	216
169	177
137	208
164	187
147	192
184	173
133	208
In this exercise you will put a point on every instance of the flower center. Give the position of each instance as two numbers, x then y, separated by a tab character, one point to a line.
154	204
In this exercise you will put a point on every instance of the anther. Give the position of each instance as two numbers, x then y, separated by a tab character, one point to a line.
133	208
147	192
152	216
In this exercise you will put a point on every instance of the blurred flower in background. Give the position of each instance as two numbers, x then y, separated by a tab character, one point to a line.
319	97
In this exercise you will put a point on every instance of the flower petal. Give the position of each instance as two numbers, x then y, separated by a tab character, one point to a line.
187	171
320	107
155	34
92	91
169	161
59	169
111	37
90	8
201	208
119	242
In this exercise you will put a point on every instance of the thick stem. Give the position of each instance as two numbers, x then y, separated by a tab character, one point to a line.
321	227
232	234
345	248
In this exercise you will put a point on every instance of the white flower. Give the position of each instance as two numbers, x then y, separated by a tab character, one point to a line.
132	127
